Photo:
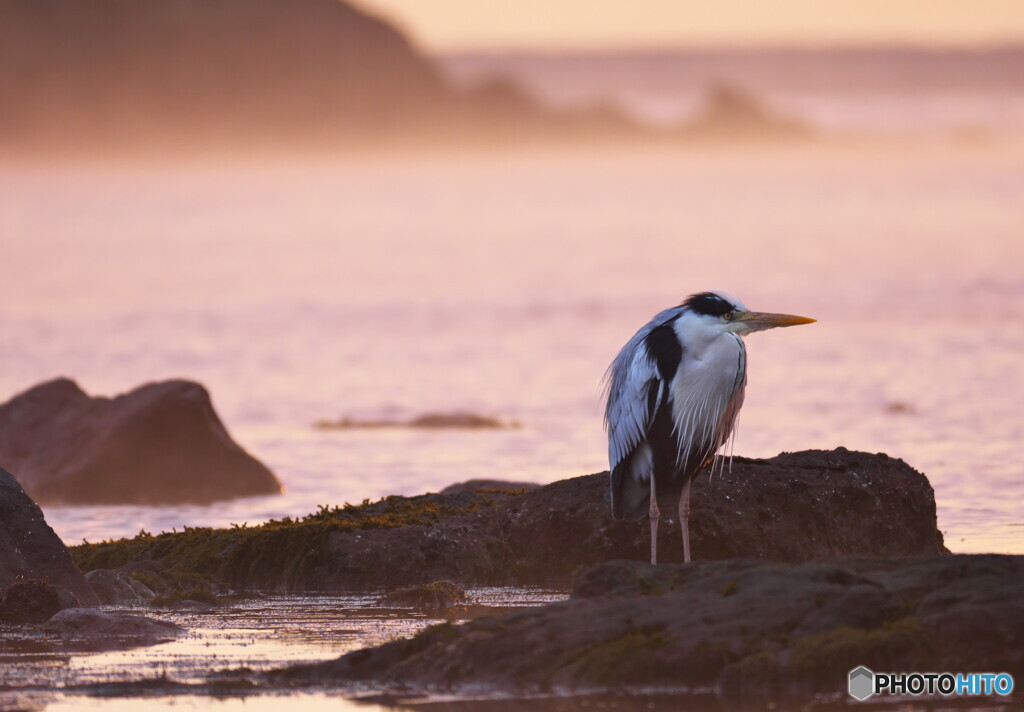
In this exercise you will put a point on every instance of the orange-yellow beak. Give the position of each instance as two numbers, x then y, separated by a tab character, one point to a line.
759	321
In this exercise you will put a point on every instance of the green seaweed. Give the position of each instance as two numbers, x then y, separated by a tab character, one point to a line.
627	659
899	644
282	553
729	589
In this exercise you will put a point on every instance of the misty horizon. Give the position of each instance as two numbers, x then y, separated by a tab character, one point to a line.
446	25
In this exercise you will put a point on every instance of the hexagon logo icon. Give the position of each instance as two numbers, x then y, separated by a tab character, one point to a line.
862	683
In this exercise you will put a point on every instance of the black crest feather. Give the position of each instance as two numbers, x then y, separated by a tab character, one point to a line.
708	303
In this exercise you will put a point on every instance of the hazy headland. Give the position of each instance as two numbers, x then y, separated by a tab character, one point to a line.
184	77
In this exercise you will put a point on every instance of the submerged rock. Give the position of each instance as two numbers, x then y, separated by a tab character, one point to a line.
159	444
29	548
431	597
759	633
460	420
430	421
793	507
110	630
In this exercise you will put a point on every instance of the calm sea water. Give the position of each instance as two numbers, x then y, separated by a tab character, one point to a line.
505	285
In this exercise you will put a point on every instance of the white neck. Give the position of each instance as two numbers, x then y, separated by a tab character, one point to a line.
697	332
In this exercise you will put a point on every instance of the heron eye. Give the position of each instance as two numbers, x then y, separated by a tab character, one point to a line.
727	316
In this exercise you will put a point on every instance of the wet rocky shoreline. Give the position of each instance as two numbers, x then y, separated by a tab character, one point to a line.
754	633
807	564
795	507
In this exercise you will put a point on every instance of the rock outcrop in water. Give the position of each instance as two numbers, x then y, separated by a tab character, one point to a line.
430	598
29	548
758	633
794	507
159	444
457	420
108	630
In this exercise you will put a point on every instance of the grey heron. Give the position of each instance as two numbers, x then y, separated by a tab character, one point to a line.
674	393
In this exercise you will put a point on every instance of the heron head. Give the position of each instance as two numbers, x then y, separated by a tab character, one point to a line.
725	314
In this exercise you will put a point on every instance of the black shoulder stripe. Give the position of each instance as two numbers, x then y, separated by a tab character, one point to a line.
664	347
652	400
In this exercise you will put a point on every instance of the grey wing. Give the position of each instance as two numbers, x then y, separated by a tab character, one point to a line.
632	385
635	390
634	394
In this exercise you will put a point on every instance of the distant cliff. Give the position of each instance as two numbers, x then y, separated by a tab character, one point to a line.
126	73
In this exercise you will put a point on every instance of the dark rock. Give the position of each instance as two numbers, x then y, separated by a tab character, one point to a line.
142	591
477	485
159	444
149	573
29	601
461	548
432	597
428	421
66	599
110	630
29	548
802	506
793	507
116	587
759	633
459	420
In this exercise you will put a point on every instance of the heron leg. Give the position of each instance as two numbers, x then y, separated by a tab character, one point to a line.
684	520
653	514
